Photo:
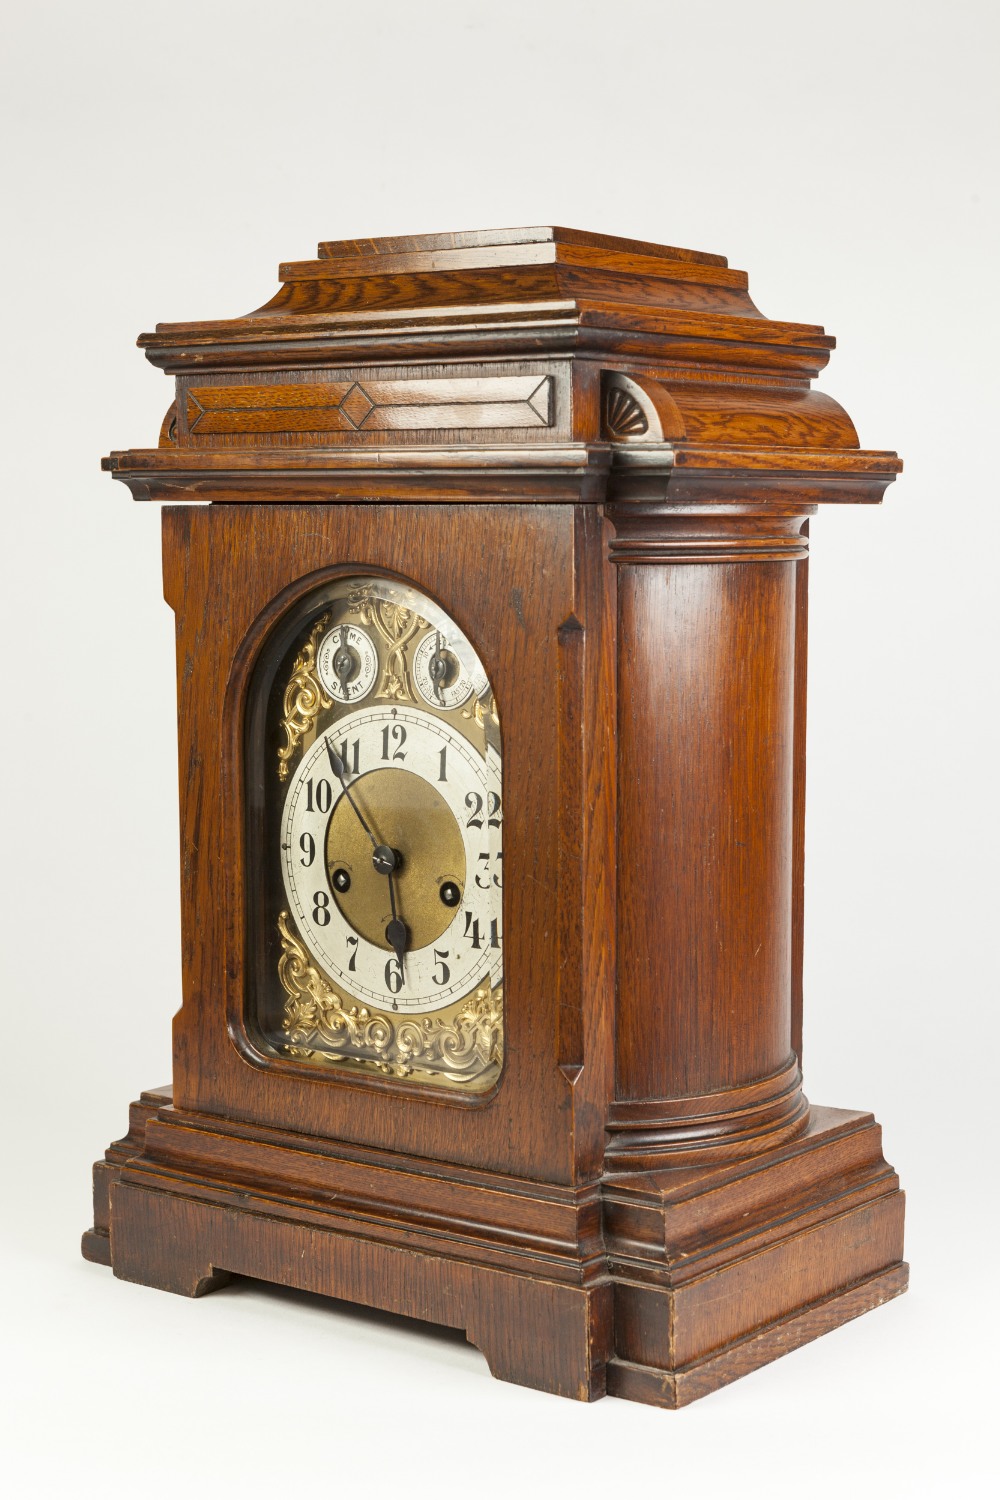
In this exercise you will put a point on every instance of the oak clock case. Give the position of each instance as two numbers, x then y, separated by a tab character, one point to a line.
374	808
488	558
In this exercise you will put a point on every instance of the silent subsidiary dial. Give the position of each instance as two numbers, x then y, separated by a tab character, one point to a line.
347	663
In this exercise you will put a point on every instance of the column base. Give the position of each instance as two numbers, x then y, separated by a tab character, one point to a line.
659	1387
720	1268
656	1286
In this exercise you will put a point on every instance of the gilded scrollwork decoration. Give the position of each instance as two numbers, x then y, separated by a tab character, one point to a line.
304	699
319	1025
397	624
482	710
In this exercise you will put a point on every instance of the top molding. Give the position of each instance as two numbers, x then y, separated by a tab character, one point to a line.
501	284
514	343
500	239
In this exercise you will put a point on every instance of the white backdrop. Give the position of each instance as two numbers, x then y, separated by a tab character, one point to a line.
159	161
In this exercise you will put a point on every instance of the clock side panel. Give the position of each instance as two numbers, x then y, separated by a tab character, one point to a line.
526	586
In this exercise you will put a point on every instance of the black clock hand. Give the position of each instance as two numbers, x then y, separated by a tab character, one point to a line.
339	770
384	859
386	862
438	668
396	930
343	662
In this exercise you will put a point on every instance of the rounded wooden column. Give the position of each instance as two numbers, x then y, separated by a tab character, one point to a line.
706	764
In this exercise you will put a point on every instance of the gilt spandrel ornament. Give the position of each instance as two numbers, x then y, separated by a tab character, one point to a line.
304	699
397	624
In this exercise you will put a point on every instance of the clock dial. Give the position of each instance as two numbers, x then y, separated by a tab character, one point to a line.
422	791
379	926
347	663
442	678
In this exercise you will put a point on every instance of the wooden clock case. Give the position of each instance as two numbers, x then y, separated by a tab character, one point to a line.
601	459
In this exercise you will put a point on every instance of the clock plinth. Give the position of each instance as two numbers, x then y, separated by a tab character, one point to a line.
658	1286
537	500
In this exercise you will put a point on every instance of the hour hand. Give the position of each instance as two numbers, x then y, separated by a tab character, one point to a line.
396	937
386	862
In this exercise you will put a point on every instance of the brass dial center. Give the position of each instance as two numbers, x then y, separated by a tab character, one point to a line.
409	815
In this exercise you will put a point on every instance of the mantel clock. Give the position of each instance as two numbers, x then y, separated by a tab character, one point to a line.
488	556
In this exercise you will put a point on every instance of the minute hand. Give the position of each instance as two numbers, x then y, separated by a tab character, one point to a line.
339	770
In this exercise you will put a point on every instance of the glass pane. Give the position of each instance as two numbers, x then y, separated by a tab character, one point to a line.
374	806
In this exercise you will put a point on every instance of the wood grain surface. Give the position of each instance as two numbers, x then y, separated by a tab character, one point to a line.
600	459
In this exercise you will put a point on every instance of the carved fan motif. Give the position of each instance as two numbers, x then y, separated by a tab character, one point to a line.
168	429
623	416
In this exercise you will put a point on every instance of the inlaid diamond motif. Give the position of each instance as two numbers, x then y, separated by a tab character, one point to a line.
356	405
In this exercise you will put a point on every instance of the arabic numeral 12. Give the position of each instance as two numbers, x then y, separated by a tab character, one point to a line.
398	732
